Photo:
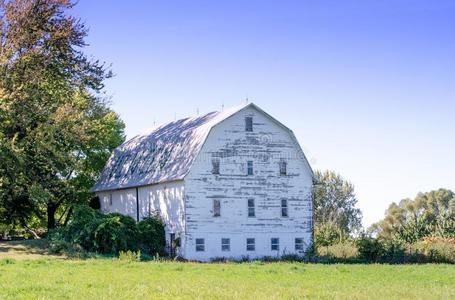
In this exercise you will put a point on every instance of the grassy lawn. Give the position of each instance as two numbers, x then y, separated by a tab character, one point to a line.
50	278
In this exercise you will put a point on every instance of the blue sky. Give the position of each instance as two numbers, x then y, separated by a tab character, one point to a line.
367	86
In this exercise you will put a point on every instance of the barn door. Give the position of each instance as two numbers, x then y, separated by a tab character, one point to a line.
173	245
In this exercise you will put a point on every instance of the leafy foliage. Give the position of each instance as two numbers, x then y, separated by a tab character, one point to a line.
343	250
367	249
92	231
436	249
130	256
335	212
151	235
429	214
328	234
56	128
370	249
114	233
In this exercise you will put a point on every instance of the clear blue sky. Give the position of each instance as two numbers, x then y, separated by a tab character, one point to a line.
367	86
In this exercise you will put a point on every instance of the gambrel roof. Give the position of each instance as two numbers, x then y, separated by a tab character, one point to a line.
165	153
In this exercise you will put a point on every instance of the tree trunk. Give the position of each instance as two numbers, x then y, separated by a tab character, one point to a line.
51	209
32	232
68	216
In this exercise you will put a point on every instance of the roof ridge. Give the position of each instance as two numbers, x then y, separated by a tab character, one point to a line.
152	129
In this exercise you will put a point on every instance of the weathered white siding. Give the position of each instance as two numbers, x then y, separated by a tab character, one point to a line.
123	201
185	200
266	146
164	199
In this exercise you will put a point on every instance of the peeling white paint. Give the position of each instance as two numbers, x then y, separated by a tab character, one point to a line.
182	192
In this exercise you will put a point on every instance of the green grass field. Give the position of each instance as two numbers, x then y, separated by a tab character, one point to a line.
52	278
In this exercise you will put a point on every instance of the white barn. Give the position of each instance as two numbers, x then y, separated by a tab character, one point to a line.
230	184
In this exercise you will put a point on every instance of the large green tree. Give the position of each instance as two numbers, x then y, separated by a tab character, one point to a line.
428	214
335	211
56	127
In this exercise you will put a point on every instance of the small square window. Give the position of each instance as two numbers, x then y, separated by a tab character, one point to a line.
250	244
275	244
200	245
284	208
299	244
216	208
225	244
283	168
216	166
249	124
251	208
250	167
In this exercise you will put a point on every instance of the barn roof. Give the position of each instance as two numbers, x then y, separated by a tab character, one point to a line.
165	153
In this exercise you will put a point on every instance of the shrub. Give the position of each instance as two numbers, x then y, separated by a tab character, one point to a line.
58	243
116	233
92	231
340	250
5	230
291	258
441	250
151	235
328	234
130	256
370	249
81	230
394	252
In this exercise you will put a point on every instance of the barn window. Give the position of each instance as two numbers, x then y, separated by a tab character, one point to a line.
250	244
225	244
284	207
200	245
110	199
283	167
250	167
251	208
216	166
299	244
275	244
249	124
216	208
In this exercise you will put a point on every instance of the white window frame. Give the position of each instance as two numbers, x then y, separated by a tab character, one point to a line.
275	244
250	244
284	208
216	208
299	244
200	245
249	168
283	168
251	209
216	166
249	124
225	244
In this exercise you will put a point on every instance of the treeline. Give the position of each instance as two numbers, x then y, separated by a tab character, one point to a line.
414	230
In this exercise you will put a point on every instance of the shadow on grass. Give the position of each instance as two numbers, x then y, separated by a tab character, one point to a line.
40	247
